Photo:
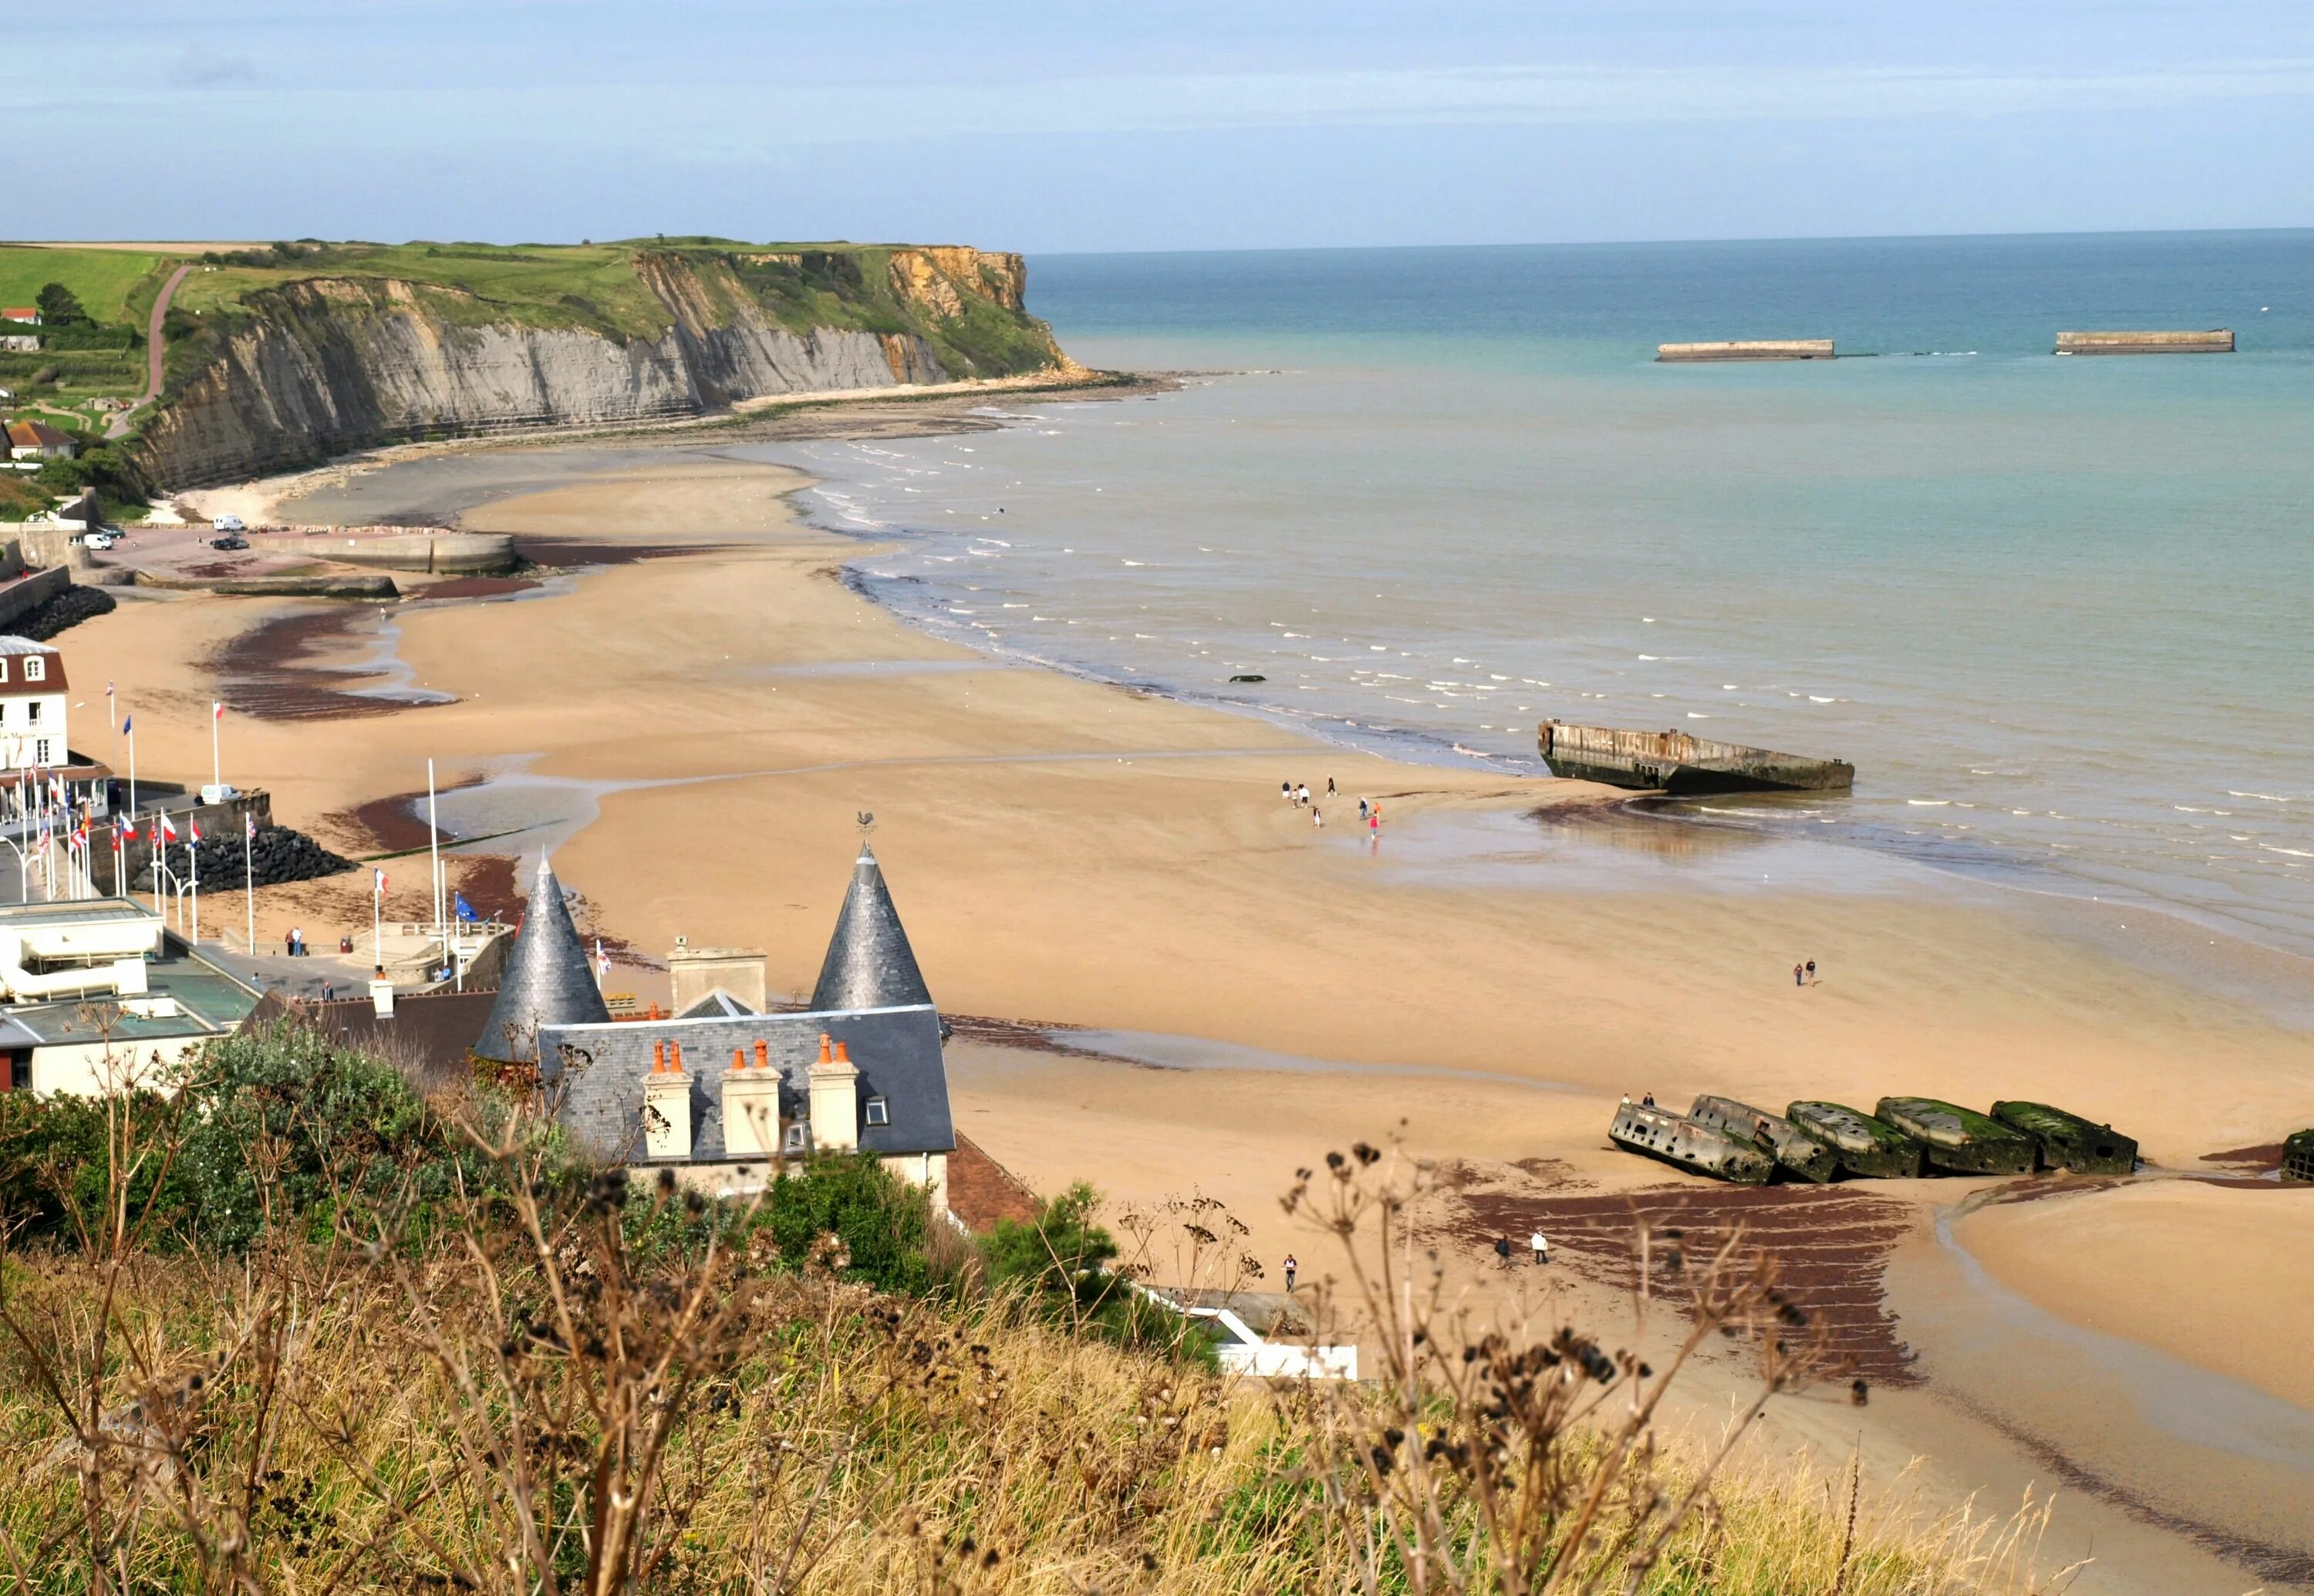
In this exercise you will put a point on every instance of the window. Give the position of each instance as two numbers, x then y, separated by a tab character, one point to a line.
36	669
3	668
32	709
878	1112
795	1142
40	755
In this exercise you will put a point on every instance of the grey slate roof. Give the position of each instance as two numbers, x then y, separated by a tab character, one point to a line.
870	963
547	981
716	1004
602	1069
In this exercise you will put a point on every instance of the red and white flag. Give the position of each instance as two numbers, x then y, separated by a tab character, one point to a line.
380	888
248	827
217	710
195	826
168	829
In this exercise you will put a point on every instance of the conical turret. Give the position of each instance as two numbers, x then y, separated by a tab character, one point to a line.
546	982
870	963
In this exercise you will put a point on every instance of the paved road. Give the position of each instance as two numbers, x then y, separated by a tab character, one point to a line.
118	425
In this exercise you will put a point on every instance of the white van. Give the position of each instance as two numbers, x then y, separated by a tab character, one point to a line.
228	524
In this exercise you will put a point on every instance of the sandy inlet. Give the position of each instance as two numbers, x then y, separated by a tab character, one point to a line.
701	731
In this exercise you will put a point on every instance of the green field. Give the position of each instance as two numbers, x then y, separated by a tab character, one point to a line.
102	279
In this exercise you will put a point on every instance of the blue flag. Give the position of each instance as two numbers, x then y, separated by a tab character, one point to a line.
464	909
128	723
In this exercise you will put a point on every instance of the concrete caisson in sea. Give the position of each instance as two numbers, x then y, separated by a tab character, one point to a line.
1865	1145
2298	1157
2069	1141
1795	1149
2216	340
1674	762
1691	1145
1960	1141
1746	349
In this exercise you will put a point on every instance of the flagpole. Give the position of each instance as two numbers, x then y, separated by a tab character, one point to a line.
376	921
217	764
434	846
248	876
193	863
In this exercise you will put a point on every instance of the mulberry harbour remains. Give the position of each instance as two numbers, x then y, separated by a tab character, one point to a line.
1674	762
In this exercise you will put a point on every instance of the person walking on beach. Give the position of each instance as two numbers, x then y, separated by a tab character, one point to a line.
1373	824
1540	1248
1305	794
1799	975
1503	1251
1290	1267
1285	790
1362	810
1317	819
1811	970
1329	787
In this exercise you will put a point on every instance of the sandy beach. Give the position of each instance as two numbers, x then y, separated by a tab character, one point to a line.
695	729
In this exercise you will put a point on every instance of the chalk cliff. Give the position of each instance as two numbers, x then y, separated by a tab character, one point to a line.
300	368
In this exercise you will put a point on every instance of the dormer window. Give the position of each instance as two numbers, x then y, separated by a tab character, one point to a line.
878	1112
795	1142
36	669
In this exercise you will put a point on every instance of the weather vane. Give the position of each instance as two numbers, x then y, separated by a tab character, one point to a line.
867	823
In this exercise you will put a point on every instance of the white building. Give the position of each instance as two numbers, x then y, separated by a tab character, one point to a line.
96	997
32	702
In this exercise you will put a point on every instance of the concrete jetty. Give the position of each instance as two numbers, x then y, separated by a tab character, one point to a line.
1747	349
2216	340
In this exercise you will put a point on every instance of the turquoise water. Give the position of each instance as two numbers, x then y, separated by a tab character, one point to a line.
2055	610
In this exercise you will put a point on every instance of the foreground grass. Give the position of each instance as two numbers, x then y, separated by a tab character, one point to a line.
859	1442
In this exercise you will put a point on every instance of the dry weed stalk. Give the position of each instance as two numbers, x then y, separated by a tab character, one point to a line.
1488	1460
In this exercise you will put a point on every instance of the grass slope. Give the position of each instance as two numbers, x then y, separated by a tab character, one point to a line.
103	280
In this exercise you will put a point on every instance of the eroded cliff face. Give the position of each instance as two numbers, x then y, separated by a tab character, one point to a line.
325	365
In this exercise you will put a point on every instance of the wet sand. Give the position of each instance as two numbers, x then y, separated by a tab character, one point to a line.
704	725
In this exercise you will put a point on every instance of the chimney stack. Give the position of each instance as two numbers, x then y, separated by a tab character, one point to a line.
667	1103
751	1108
834	1098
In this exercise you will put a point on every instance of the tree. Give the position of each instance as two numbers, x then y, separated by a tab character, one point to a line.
60	306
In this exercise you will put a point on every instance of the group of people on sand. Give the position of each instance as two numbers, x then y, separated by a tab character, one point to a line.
1804	974
1298	795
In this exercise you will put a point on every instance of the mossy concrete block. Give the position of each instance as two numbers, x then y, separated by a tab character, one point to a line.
1961	1141
1865	1145
2298	1157
1794	1148
2069	1141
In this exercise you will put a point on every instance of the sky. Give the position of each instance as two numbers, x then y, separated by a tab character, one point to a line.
1062	126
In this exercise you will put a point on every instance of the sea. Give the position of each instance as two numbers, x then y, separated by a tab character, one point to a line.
2059	611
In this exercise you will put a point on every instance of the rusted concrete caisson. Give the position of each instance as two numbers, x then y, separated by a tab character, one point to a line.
1795	1149
1961	1141
1864	1144
2298	1157
2069	1141
1674	762
1693	1146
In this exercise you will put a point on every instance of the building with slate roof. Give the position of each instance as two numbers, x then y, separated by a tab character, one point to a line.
724	1094
547	980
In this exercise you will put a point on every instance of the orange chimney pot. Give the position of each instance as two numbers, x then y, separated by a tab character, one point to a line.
826	1055
762	1056
844	1052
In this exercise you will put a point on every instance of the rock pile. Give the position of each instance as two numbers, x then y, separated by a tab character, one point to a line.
277	854
73	605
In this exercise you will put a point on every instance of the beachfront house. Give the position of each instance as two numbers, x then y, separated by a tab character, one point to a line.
37	440
38	768
723	1092
30	315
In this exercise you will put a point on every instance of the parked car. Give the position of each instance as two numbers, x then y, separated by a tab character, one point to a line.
99	539
232	539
